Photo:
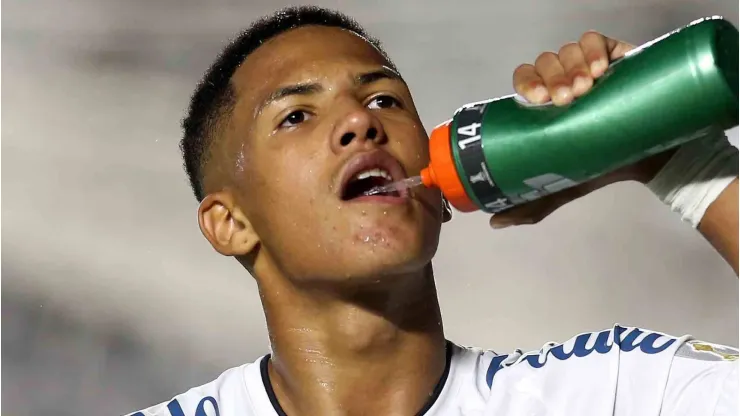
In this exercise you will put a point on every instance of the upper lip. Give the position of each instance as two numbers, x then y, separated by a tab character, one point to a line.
370	160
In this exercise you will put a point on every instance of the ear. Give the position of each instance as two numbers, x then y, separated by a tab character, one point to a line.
225	225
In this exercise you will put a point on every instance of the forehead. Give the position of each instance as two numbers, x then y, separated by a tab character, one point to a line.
306	53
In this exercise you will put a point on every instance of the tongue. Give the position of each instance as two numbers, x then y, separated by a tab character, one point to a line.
358	187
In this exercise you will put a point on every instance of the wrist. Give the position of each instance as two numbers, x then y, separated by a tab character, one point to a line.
695	176
645	170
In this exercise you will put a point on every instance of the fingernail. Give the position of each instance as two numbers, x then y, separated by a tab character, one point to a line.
540	93
563	94
581	84
598	67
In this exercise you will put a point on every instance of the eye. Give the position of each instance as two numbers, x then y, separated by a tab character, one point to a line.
293	119
383	101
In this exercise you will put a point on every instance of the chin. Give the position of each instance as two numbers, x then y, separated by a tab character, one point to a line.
389	246
387	257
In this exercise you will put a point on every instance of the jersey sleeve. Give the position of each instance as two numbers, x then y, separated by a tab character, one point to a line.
191	403
703	380
624	371
225	396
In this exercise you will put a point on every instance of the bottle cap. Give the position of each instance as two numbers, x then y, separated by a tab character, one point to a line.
442	172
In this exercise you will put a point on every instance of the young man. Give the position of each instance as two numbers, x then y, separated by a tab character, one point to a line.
299	115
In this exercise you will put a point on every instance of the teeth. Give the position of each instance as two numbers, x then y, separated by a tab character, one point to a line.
374	173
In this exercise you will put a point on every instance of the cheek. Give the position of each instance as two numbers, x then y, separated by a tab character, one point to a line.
296	188
410	142
295	174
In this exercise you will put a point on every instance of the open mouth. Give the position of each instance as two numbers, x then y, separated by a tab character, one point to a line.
367	180
368	171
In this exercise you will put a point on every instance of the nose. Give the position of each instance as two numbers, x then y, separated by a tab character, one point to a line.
359	128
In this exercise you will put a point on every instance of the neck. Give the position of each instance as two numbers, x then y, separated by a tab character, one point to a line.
336	354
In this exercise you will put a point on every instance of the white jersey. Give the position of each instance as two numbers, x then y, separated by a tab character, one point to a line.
621	371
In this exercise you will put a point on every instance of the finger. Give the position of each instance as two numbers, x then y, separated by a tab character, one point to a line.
617	48
596	52
552	73
530	213
574	63
535	211
529	85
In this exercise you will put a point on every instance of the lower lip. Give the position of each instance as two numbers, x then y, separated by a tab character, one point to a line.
380	199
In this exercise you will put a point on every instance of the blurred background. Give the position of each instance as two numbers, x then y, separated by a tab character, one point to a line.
111	299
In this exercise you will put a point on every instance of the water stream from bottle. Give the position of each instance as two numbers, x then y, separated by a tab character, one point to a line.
395	186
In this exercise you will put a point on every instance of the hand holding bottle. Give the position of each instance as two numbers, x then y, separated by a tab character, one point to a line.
561	78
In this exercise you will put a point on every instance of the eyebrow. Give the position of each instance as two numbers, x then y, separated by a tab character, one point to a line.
314	88
297	89
380	74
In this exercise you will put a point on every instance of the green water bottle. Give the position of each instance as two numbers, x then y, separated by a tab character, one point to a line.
496	154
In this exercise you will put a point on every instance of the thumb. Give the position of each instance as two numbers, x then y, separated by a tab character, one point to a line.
535	211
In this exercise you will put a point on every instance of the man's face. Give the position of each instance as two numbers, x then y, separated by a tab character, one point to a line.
317	107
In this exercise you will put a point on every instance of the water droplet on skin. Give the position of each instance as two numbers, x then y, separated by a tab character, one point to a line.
240	159
385	212
366	239
326	385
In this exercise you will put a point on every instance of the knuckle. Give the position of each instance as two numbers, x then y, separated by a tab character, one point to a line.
545	57
523	68
568	47
591	34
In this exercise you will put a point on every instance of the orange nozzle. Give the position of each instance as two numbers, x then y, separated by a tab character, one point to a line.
442	173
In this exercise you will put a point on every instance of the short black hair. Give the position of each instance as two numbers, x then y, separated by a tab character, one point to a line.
214	97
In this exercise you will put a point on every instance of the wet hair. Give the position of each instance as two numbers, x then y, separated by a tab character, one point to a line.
214	97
